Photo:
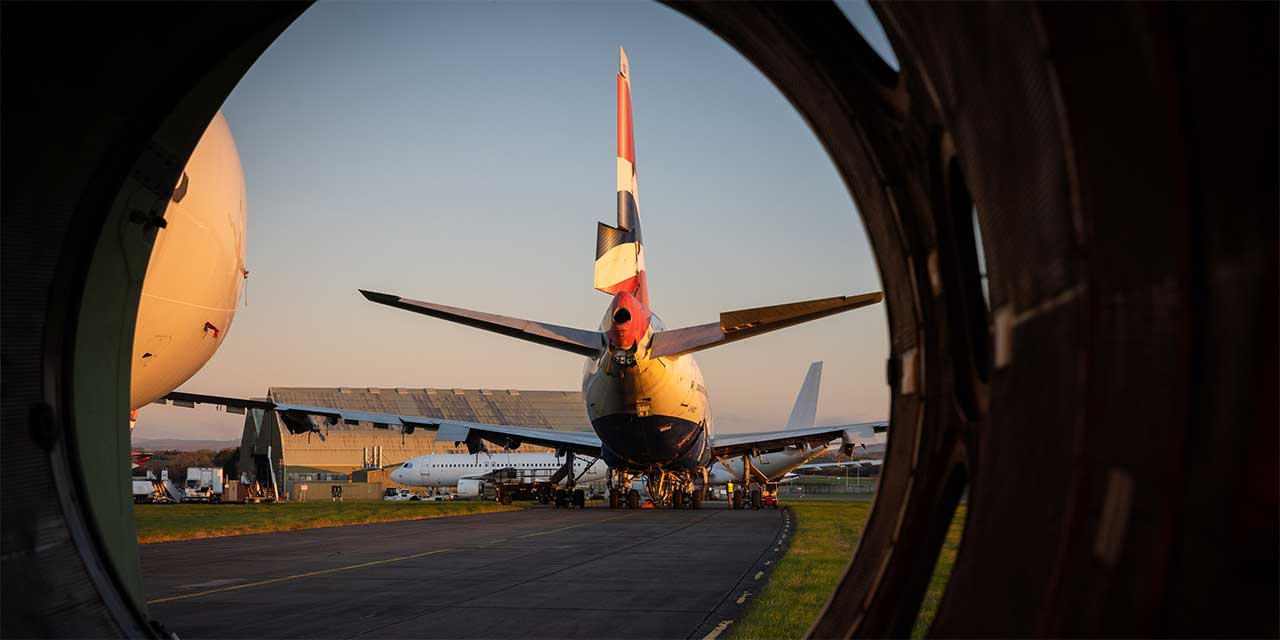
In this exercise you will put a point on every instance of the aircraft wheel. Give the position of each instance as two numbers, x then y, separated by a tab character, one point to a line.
677	499
562	498
580	498
755	499
737	499
695	501
633	499
615	499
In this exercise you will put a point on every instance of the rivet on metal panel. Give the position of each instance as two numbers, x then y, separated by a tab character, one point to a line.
1004	336
907	384
1117	505
935	276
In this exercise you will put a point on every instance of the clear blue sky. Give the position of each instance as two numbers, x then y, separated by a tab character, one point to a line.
463	152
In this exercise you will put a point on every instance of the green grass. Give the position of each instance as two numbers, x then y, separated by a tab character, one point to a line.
941	571
168	522
826	532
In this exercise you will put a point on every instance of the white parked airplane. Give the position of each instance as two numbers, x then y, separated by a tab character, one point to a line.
469	472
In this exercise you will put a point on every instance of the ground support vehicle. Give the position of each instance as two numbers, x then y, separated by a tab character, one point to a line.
393	494
203	484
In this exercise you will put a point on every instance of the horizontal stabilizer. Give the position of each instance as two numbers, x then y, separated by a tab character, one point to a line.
579	341
745	323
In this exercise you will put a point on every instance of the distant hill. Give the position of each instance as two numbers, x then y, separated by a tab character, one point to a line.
178	444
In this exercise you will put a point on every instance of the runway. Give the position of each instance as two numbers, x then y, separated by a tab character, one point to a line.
541	572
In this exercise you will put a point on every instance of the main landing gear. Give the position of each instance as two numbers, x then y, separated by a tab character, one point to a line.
566	498
755	498
620	491
679	490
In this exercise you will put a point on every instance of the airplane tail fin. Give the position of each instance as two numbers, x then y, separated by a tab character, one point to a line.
805	412
619	249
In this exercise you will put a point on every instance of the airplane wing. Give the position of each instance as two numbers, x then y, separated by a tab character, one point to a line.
850	435
841	465
300	419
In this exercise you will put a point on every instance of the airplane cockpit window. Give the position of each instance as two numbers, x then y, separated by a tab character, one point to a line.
408	465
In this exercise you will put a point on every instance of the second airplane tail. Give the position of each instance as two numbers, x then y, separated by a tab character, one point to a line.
805	412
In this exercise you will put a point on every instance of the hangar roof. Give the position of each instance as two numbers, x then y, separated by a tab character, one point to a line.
562	410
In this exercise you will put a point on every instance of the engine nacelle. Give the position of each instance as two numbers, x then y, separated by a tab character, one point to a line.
470	488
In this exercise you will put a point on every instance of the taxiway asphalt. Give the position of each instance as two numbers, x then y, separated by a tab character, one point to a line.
540	572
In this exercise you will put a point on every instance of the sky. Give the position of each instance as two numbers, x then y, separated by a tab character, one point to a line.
462	153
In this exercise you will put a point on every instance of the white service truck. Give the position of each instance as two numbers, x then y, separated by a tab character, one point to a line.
400	494
204	484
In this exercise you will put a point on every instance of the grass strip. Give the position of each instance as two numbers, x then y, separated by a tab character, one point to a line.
171	522
826	533
941	572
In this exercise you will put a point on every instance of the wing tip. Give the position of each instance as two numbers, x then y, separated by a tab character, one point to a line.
374	296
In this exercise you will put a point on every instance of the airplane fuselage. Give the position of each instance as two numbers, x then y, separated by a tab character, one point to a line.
444	470
772	466
649	412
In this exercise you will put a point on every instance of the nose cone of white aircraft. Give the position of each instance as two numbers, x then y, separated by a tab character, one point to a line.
398	475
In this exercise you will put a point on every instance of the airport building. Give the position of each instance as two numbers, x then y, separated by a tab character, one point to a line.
271	454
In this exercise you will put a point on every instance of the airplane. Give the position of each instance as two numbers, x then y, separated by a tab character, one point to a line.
196	271
775	467
823	466
469	472
645	395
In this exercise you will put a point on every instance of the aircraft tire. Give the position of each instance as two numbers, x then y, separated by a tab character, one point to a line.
506	498
677	499
562	498
696	498
614	499
755	499
579	499
737	499
633	499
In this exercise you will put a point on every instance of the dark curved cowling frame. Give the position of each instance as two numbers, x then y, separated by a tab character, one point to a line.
1112	416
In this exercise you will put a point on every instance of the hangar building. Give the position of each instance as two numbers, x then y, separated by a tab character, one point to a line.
271	454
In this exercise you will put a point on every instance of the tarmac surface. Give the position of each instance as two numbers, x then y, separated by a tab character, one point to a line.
540	572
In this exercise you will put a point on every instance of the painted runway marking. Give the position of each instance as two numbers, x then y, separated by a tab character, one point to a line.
296	577
759	574
768	562
715	633
743	597
211	583
572	526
